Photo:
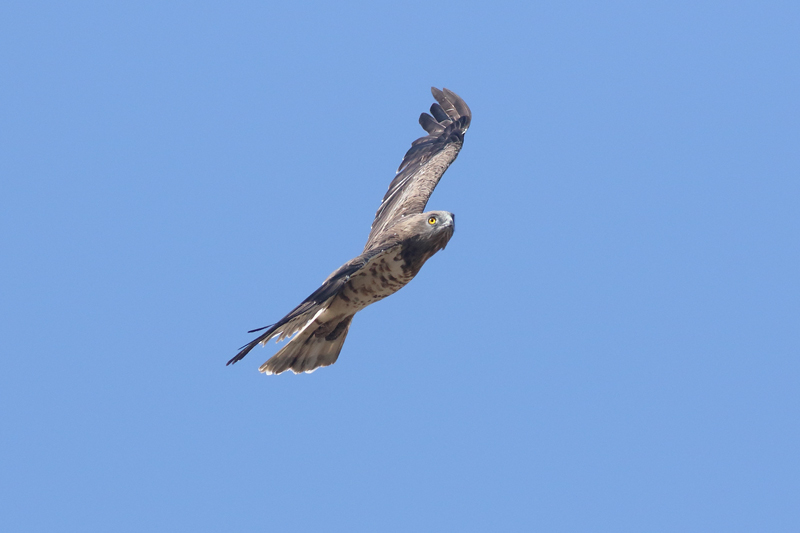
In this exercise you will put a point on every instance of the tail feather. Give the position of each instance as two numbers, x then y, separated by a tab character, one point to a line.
308	351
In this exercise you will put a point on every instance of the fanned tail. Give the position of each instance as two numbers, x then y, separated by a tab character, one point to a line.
309	350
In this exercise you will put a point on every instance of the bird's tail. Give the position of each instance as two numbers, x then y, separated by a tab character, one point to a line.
310	349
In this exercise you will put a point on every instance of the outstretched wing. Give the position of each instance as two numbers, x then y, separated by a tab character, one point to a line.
425	162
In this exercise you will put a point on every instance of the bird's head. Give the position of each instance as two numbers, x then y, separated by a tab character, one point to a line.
422	231
436	226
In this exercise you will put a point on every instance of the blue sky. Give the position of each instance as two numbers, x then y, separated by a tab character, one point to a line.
609	343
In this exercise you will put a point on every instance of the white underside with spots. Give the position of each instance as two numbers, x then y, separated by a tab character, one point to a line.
382	276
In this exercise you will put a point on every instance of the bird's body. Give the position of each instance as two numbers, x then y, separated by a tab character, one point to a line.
401	240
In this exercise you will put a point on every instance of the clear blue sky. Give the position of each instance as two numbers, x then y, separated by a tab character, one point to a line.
610	342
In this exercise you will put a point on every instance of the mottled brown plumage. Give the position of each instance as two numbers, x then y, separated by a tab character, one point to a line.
401	239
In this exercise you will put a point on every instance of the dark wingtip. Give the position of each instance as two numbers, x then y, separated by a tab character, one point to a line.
430	124
438	113
239	356
244	350
461	106
450	105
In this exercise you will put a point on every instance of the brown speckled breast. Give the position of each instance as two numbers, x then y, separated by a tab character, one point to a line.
384	274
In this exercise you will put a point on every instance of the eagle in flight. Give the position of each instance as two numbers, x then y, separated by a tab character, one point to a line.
402	238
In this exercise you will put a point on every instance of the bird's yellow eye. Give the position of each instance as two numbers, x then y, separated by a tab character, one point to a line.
432	221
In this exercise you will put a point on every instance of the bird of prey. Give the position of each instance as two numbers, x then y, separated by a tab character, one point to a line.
402	238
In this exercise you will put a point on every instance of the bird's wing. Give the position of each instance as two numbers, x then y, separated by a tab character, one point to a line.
425	162
308	310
